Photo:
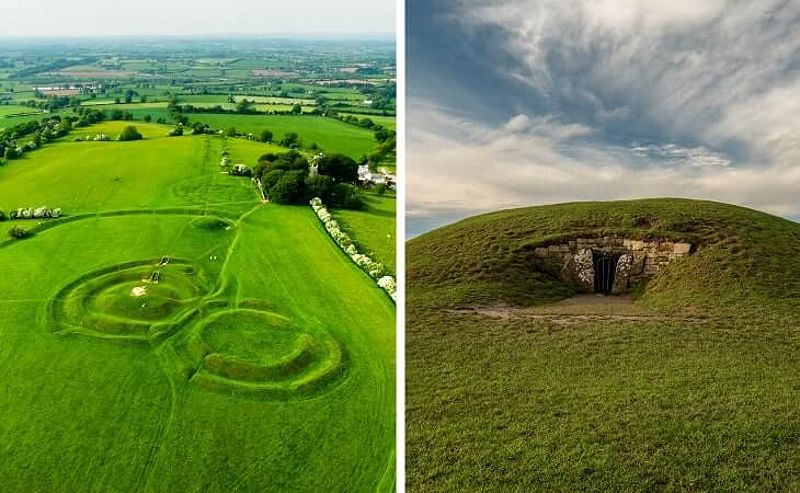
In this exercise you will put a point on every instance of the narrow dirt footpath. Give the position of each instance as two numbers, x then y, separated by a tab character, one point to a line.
579	309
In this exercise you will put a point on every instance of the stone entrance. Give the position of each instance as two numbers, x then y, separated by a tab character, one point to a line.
627	262
604	268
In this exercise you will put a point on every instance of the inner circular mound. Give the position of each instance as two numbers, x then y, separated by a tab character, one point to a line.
251	336
262	353
130	299
138	300
212	223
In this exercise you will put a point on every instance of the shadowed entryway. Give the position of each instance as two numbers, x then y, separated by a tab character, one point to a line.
604	268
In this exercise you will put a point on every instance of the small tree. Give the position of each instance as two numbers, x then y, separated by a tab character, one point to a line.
341	168
265	136
130	133
297	109
244	106
231	132
288	189
148	118
347	196
320	186
17	232
290	140
270	178
11	153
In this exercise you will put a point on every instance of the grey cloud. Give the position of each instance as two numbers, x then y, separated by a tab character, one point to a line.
680	63
458	173
641	98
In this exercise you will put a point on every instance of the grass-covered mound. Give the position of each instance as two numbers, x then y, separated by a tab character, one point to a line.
262	354
743	259
693	386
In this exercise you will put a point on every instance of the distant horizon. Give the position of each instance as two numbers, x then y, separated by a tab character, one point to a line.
95	18
427	224
284	36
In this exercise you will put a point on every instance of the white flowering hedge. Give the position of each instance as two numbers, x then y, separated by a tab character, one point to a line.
375	269
35	213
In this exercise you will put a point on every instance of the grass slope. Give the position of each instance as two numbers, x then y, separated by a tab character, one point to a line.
96	399
373	229
694	386
744	257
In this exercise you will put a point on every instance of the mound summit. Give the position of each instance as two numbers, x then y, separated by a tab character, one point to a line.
670	253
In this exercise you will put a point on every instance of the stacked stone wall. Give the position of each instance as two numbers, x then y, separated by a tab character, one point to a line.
636	259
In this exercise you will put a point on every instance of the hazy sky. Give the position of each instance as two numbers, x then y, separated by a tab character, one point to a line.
192	17
525	102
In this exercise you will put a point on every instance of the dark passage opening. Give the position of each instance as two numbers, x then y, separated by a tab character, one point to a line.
604	268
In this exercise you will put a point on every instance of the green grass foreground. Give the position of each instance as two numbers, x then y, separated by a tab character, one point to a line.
692	386
373	229
262	360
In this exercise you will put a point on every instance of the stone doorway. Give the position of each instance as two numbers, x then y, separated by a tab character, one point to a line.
605	266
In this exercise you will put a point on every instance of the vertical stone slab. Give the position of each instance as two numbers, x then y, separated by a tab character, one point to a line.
622	274
579	270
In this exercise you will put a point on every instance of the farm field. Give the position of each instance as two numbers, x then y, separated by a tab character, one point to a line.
10	121
11	109
331	135
113	128
173	333
689	383
373	228
263	108
248	151
276	100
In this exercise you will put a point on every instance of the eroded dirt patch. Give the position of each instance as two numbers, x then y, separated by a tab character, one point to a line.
577	310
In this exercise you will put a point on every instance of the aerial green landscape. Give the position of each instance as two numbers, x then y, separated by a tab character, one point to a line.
176	316
519	379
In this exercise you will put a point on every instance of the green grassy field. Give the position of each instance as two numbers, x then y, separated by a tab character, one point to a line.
332	93
12	109
113	128
691	385
10	121
331	135
172	333
248	151
373	229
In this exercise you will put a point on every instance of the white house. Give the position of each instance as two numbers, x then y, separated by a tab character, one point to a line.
368	177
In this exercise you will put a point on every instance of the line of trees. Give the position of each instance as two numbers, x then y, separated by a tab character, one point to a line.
241	109
39	132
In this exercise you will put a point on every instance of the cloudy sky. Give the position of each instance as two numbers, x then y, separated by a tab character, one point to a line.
524	102
197	17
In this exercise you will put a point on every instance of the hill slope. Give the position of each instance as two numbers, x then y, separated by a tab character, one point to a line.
693	386
744	258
